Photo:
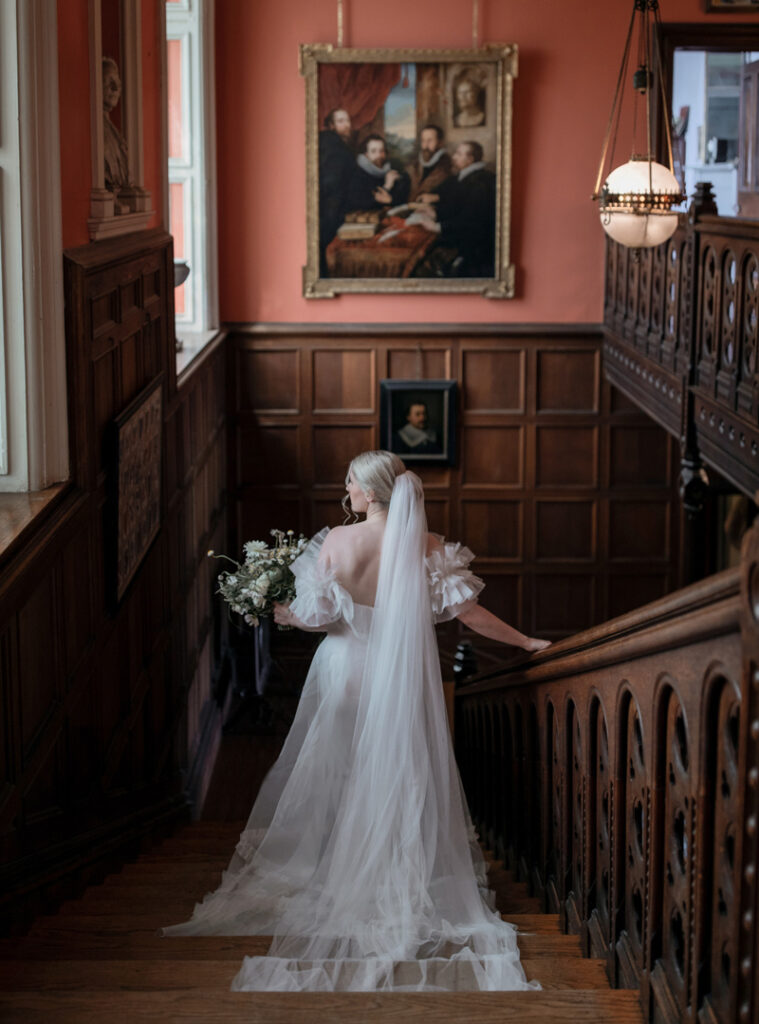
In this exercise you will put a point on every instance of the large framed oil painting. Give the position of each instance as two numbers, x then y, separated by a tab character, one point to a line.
408	157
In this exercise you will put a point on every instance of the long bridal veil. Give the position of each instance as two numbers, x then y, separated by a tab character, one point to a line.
382	890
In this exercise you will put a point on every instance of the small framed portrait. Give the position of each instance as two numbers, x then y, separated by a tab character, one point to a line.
135	491
408	156
418	420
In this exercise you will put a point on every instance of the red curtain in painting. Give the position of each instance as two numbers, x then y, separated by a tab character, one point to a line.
361	89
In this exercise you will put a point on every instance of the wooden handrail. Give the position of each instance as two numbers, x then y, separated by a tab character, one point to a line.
618	771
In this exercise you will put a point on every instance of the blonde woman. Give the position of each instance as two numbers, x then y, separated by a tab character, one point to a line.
359	856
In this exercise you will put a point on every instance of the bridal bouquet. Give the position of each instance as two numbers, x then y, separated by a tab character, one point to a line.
253	586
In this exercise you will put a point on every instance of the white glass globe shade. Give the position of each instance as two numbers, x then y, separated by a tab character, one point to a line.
633	223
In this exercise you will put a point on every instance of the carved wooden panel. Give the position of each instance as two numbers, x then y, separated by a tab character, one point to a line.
600	832
494	381
671	949
568	381
335	446
638	458
494	526
566	456
638	531
493	456
718	957
343	381
269	380
419	363
562	602
565	531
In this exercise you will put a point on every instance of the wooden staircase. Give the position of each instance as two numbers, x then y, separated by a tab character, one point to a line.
100	959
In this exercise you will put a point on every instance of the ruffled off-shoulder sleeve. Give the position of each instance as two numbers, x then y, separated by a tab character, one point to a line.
453	587
319	598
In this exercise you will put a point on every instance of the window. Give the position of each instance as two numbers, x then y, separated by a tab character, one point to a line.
191	164
33	419
706	99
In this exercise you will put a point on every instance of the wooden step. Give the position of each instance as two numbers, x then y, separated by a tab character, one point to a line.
580	1006
150	919
70	975
144	944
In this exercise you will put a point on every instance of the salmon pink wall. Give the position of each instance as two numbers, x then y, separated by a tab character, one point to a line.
569	58
74	85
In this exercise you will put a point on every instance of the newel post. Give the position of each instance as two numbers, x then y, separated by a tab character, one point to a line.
748	845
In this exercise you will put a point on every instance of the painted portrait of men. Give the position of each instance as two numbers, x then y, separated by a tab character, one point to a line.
405	165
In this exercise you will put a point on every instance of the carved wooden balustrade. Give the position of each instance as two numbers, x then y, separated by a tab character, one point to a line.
619	773
681	326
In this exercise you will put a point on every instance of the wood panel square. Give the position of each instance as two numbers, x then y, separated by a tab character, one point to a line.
568	380
438	516
493	455
343	381
335	447
494	380
433	476
639	456
493	529
267	454
502	596
627	592
258	515
268	380
565	530
563	603
638	530
419	363
326	512
566	456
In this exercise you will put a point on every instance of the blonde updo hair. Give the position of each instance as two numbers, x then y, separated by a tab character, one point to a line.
374	471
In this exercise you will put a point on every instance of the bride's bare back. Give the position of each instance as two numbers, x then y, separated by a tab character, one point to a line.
354	554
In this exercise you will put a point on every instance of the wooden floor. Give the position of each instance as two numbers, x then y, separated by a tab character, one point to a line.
100	959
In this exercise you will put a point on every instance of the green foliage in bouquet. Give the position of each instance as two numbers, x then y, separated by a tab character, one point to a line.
254	585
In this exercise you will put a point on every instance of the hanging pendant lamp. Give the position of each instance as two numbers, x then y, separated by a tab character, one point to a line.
637	198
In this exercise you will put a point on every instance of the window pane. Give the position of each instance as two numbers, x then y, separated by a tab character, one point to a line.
174	67
176	221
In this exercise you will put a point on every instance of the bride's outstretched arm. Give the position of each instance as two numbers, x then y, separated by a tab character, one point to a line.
486	624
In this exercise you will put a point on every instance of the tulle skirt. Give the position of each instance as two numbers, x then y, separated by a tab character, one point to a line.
359	857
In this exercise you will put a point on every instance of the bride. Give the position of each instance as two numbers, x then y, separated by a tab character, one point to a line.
359	855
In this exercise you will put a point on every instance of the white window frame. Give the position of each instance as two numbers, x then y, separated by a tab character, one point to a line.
33	400
192	21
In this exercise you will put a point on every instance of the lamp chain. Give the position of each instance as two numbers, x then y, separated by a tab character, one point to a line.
475	24
340	23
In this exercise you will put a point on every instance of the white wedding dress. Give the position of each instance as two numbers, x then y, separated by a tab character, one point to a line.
359	856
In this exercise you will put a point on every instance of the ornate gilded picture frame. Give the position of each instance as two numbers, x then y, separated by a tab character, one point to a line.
408	158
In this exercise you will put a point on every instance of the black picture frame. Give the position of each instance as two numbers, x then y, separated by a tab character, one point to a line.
134	519
397	398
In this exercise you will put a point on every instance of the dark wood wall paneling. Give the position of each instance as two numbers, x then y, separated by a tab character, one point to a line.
108	716
563	490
